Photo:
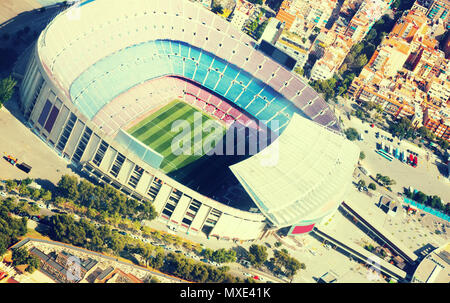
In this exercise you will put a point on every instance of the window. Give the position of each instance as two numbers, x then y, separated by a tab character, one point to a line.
66	133
100	153
82	145
120	159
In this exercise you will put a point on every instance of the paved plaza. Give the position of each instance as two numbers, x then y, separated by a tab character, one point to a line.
19	141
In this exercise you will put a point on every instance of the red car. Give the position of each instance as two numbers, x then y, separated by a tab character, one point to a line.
372	125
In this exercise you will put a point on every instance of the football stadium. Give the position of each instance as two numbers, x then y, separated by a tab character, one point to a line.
170	103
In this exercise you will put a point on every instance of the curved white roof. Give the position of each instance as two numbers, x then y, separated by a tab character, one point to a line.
300	173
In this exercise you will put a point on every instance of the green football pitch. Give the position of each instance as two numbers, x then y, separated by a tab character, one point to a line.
156	132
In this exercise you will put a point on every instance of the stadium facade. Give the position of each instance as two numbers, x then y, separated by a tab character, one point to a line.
100	66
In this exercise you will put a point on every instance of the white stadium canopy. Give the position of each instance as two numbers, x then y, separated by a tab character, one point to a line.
299	173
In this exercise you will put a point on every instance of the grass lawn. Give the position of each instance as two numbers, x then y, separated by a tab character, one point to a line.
156	132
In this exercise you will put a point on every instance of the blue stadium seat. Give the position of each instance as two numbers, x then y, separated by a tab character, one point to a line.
269	93
219	64
243	77
206	59
256	105
117	73
200	74
194	53
211	79
223	85
246	97
189	68
255	86
234	91
184	49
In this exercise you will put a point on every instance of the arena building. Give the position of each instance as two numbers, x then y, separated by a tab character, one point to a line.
98	90
435	267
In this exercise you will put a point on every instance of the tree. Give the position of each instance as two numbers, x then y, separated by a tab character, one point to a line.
3	245
361	183
21	256
360	61
372	186
351	133
362	155
282	261
443	143
6	89
224	256
36	194
67	187
420	197
217	9
47	196
371	35
33	264
260	29
257	254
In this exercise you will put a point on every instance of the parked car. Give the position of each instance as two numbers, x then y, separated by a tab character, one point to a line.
2	194
246	274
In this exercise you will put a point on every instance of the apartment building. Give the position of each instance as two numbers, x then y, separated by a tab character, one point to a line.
243	12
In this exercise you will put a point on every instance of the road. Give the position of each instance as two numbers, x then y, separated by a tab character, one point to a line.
235	268
425	177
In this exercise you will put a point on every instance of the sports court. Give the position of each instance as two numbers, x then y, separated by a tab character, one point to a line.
156	132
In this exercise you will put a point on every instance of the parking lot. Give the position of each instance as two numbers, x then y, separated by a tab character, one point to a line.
20	142
425	177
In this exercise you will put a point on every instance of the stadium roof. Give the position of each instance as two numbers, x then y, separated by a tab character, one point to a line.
304	170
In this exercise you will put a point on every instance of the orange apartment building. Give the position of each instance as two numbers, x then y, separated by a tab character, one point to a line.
284	16
437	123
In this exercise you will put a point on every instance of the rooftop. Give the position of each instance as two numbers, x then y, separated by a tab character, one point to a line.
304	172
435	268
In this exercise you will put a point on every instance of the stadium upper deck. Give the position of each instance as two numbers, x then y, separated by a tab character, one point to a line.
110	52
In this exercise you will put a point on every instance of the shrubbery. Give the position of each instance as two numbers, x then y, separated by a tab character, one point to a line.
103	199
